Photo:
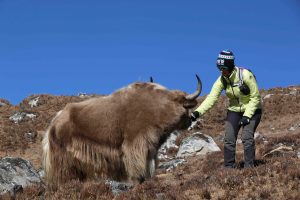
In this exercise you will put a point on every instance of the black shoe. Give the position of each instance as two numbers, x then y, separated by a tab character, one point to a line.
249	166
230	166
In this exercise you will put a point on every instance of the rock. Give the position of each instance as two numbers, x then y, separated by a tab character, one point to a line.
118	187
162	156
267	96
16	174
34	102
2	104
170	143
220	137
294	92
160	196
30	115
82	95
257	136
41	173
197	144
19	116
279	151
171	164
30	136
292	128
298	154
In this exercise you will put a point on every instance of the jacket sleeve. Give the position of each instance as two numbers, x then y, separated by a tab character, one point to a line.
254	96
213	96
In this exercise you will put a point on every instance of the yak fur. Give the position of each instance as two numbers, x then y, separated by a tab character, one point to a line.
115	136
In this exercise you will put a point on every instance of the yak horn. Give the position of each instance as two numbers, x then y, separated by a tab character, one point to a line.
151	79
196	93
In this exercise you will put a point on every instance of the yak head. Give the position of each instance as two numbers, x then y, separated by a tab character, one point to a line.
189	101
170	108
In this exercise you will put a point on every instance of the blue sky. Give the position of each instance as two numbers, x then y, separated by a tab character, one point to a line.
71	46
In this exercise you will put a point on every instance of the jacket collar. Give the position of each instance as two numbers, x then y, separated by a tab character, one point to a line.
233	74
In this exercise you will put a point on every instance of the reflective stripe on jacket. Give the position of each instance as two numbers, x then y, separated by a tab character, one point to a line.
238	102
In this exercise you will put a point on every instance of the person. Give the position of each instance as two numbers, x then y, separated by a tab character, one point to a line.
244	110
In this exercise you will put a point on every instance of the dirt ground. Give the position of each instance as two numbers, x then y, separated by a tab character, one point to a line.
275	177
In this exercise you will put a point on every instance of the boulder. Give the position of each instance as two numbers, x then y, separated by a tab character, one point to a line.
197	144
170	143
20	116
118	187
16	174
171	164
267	96
34	102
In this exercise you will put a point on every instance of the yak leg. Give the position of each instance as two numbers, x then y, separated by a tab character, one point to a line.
139	158
135	159
151	162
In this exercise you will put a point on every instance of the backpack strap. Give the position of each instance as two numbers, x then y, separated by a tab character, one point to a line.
224	82
240	71
241	75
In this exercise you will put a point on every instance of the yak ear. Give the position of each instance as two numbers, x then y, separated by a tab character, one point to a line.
188	104
180	97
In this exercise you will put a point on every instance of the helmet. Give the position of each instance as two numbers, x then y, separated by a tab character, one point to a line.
225	60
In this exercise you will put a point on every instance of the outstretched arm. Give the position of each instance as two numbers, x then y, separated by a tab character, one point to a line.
212	97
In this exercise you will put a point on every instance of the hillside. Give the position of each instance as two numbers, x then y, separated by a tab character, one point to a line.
277	175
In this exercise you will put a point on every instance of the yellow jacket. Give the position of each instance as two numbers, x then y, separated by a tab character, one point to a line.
238	102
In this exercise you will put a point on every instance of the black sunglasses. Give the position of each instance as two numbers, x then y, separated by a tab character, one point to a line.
223	68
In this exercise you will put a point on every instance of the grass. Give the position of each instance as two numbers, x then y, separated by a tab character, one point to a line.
275	177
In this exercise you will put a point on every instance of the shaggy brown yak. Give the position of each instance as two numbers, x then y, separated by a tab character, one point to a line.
115	136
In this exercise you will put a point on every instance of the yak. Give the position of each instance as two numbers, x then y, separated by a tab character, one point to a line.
115	136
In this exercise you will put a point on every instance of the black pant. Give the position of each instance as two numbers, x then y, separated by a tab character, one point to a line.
232	128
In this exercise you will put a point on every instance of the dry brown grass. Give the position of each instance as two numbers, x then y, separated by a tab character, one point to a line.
275	177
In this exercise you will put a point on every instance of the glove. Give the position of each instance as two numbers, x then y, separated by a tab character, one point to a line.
194	115
244	121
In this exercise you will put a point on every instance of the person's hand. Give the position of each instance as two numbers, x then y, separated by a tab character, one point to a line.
244	121
194	115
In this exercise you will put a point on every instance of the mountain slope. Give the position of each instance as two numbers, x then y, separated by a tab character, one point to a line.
277	175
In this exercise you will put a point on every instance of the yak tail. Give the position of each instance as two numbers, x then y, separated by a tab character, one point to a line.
48	157
46	152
